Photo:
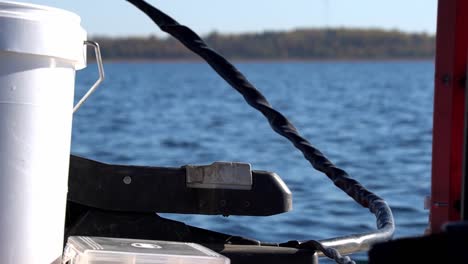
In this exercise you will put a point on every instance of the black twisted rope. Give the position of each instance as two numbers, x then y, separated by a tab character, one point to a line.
278	122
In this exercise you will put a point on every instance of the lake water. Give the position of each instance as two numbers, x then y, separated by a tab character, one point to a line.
373	119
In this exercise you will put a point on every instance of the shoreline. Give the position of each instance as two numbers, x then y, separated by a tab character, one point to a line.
331	60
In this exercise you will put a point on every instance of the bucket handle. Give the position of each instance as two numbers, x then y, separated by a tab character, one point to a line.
97	51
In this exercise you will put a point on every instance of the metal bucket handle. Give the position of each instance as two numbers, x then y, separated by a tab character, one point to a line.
97	51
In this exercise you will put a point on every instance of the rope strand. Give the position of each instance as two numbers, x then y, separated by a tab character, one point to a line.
278	122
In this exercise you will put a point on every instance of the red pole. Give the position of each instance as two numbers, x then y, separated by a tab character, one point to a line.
449	107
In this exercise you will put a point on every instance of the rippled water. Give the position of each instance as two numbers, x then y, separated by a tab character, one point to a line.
373	119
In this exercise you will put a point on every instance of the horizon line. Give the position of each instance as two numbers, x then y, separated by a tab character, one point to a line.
160	34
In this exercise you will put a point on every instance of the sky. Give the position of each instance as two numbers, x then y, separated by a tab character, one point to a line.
119	18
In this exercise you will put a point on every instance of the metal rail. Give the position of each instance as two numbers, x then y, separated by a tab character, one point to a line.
358	242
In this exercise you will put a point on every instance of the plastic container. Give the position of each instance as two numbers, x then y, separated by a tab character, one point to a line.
40	50
101	250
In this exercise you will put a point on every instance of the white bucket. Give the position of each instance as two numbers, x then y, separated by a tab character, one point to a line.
40	50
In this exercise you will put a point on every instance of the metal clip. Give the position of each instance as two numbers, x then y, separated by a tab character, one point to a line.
220	175
97	51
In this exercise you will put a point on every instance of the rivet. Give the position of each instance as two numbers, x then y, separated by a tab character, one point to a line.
127	180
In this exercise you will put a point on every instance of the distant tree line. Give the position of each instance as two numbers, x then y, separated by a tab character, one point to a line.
298	44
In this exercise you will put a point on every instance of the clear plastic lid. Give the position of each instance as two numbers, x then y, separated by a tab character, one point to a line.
99	250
